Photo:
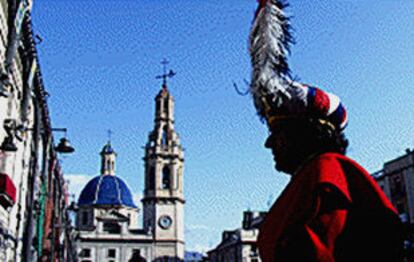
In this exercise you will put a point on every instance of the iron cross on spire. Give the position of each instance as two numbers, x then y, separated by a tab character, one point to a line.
165	75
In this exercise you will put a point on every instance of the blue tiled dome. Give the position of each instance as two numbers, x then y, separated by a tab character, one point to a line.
106	190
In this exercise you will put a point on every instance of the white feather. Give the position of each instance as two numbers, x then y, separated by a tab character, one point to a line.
268	52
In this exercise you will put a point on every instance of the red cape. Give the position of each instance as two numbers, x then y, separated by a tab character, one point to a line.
295	203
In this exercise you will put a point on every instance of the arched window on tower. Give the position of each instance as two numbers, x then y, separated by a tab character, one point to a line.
166	106
108	164
165	182
164	135
151	178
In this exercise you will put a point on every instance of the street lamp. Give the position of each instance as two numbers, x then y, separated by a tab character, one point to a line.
14	131
64	145
8	142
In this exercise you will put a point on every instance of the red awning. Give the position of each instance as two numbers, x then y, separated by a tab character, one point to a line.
7	191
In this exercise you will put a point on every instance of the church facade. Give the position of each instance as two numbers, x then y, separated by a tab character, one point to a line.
107	217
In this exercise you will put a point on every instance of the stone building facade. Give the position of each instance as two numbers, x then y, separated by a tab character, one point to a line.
107	217
32	188
396	179
239	245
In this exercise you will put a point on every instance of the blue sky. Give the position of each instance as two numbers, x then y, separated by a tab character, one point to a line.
99	60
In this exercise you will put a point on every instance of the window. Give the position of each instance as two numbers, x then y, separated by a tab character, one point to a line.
85	253
84	218
165	178
253	251
167	259
151	178
164	136
112	253
397	185
136	256
166	106
112	228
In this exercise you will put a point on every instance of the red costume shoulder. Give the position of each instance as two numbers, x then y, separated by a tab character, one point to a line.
354	182
296	205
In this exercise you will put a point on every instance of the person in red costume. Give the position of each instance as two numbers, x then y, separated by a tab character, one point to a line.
332	209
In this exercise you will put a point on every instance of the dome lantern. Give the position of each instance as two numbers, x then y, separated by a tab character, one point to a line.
108	156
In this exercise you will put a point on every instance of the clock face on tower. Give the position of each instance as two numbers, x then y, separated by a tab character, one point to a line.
165	222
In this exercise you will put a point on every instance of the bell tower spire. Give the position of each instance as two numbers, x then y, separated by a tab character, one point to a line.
164	132
163	201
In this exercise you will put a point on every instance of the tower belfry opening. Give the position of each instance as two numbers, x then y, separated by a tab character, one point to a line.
166	177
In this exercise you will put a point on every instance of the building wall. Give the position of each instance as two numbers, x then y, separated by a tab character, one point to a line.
95	239
27	107
124	251
98	241
409	187
14	164
397	181
91	213
239	244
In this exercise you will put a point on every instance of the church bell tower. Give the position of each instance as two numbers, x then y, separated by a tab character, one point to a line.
163	201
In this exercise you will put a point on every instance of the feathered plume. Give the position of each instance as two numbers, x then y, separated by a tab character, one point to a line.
270	38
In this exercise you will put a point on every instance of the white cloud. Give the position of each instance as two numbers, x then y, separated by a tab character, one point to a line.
201	238
198	227
198	248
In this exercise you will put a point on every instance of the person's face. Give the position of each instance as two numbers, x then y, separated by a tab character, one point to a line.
282	143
